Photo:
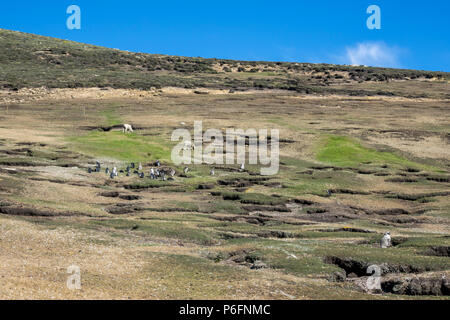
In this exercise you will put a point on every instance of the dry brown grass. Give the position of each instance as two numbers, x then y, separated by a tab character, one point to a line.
118	263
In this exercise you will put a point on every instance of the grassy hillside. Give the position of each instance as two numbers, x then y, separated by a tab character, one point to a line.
28	60
351	169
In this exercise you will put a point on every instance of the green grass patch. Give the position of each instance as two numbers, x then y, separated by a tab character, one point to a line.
345	151
111	117
227	207
126	147
301	265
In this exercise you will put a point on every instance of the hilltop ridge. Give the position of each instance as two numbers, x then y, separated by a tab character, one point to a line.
29	61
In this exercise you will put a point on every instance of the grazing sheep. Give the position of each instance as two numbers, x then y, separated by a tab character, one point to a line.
386	240
127	128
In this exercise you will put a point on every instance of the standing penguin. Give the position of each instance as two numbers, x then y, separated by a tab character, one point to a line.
140	166
152	173
386	240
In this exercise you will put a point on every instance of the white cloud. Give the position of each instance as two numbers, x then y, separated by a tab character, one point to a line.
375	54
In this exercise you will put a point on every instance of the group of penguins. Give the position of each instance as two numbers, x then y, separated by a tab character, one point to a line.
154	173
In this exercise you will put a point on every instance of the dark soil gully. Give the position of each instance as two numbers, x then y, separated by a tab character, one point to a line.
406	285
398	180
249	219
439	179
115	194
276	234
19	211
348	191
437	286
359	268
13	163
415	197
243	182
109	128
346	230
438	251
251	208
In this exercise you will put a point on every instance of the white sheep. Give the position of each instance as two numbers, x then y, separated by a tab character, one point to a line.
127	128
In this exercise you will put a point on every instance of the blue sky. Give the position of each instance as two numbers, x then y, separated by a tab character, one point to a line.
414	34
